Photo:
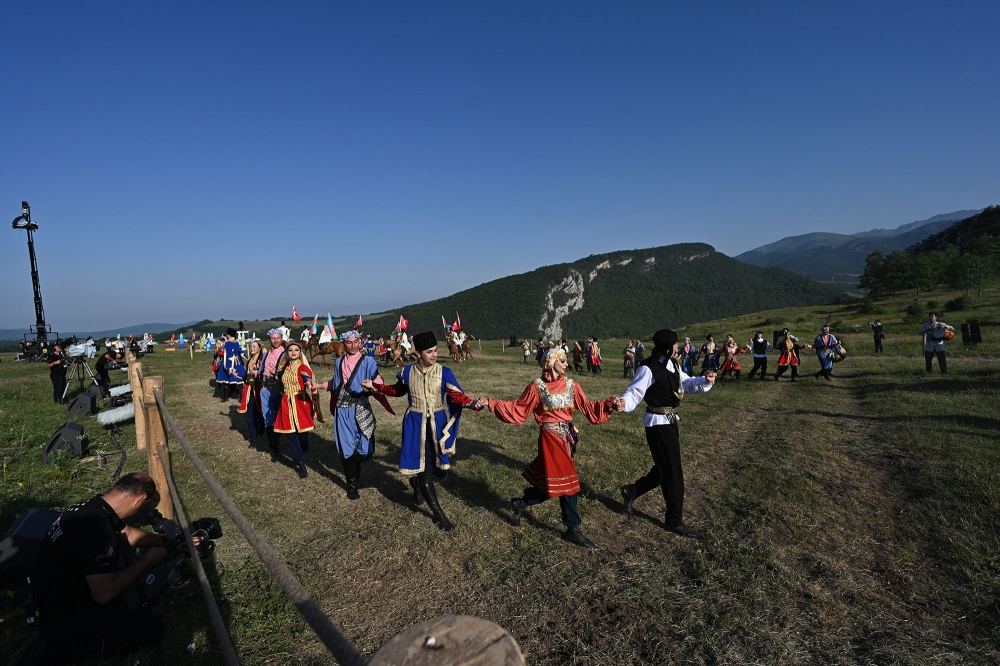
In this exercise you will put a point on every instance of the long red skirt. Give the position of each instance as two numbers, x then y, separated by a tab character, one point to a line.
294	415
553	471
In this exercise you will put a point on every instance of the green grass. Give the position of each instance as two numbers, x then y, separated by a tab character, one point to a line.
854	521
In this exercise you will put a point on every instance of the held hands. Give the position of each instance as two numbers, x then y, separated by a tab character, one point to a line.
618	404
367	383
710	376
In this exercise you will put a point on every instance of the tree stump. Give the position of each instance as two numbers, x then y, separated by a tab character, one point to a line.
451	639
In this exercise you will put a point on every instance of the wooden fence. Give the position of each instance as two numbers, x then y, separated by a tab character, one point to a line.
443	641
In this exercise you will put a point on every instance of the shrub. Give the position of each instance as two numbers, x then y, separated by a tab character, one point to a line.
914	310
867	307
932	305
960	303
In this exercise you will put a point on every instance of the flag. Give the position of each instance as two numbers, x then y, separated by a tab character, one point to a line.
358	323
403	323
458	320
444	323
295	315
455	327
329	325
315	322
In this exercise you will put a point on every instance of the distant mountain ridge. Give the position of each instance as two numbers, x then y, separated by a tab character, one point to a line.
963	234
840	258
620	294
17	333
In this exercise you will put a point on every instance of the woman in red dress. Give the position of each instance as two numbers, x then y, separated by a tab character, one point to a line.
250	399
552	399
295	415
731	364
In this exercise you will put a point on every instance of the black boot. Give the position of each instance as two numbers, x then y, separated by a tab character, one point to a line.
430	494
300	468
272	443
415	486
575	536
628	496
518	507
352	490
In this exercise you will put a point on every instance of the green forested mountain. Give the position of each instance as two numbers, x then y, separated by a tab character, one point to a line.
840	258
620	294
964	235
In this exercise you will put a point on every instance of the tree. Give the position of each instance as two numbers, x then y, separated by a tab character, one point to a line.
873	277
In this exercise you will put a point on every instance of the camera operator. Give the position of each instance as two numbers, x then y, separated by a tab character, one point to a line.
56	361
86	564
110	357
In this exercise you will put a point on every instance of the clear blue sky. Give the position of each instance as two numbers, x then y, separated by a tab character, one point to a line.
190	160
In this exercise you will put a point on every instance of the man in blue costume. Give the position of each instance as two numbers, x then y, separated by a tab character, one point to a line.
354	420
430	425
231	371
270	392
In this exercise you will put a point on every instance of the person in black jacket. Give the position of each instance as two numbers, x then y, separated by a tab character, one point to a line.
56	361
661	383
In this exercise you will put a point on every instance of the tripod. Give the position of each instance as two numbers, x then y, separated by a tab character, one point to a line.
78	370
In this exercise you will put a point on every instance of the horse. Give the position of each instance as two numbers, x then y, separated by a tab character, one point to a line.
314	349
399	355
454	350
467	348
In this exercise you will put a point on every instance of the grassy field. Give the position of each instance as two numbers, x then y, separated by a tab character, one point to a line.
854	521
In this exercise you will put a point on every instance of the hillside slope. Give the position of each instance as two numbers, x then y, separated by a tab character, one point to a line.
841	257
964	234
620	294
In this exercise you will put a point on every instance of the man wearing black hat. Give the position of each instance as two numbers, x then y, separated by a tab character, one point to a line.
662	384
431	421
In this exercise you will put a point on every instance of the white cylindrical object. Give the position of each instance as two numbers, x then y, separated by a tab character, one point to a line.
120	390
117	415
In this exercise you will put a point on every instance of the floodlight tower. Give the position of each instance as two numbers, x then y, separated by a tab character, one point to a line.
23	221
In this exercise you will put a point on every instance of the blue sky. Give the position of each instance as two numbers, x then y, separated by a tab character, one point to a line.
190	160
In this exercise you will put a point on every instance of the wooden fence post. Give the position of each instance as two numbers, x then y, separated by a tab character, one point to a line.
449	641
156	442
135	381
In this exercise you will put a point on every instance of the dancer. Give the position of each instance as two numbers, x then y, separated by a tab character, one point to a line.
731	364
661	384
789	347
710	355
825	344
270	389
250	398
689	356
759	346
354	420
295	411
230	372
430	424
552	399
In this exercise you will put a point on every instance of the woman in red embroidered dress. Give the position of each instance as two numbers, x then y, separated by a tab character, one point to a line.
250	399
552	399
295	415
731	364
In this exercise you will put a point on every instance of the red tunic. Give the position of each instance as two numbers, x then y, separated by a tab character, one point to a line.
296	411
553	471
251	392
731	363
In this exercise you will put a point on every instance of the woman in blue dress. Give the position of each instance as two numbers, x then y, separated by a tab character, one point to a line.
826	345
710	352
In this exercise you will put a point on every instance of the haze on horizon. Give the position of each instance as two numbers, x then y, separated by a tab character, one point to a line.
234	159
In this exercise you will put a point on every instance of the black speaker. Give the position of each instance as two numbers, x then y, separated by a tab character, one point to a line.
84	404
69	438
19	545
971	333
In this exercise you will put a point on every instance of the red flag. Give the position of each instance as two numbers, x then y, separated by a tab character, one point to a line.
358	323
295	314
458	320
403	323
455	327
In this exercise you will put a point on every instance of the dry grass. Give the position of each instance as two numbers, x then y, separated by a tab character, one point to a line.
849	522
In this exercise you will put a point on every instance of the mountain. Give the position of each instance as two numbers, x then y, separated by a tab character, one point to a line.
17	333
619	294
840	258
964	234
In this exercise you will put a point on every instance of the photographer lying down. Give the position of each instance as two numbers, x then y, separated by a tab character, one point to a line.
88	565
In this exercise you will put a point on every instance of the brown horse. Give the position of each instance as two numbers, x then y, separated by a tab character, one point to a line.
314	349
467	348
399	355
454	350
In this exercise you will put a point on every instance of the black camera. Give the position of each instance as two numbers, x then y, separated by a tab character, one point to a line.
172	534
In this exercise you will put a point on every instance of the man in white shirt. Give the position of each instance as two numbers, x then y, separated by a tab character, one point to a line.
661	383
286	333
